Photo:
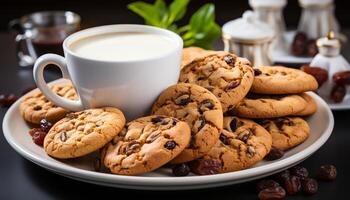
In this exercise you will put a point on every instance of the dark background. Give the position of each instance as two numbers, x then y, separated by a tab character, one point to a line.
101	12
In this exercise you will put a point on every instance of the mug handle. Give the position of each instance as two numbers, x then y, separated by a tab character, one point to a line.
24	59
38	73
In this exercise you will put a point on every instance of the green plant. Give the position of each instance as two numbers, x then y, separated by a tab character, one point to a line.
201	30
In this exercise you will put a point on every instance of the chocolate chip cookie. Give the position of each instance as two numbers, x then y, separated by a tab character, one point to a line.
146	144
286	132
242	144
282	80
35	106
200	109
191	53
83	132
268	106
311	107
227	76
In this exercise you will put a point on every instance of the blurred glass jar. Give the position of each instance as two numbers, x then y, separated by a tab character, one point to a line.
250	38
271	12
42	32
317	18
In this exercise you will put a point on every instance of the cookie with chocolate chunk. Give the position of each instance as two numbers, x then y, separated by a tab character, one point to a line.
242	144
146	144
268	106
200	109
282	80
83	132
286	132
35	106
226	75
191	53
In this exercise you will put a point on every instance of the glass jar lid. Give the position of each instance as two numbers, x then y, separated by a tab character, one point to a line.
248	29
315	3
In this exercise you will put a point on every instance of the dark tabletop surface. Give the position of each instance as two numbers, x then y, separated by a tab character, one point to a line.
21	179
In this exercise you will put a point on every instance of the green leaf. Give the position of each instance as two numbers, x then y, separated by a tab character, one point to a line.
177	10
203	17
149	12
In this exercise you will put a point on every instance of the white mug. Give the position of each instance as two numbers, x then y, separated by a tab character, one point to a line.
131	86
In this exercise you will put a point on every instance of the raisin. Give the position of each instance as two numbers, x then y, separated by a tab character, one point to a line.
282	176
321	75
181	170
299	171
45	125
272	193
274	154
38	137
338	93
309	186
205	166
266	183
311	48
327	173
292	185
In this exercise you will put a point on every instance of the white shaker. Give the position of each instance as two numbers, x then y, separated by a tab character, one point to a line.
329	58
271	12
250	38
317	18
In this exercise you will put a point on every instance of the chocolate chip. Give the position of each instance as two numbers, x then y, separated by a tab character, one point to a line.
152	137
200	78
257	72
170	145
224	139
210	88
233	84
206	105
63	136
233	125
245	135
45	125
251	151
183	100
199	124
159	120
229	60
37	107
132	147
181	170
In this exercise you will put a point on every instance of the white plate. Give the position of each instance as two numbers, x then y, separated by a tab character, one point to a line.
344	105
16	133
285	56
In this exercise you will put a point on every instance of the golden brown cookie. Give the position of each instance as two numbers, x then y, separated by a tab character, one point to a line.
227	76
268	106
83	132
282	80
200	109
311	107
35	106
242	144
146	144
286	132
191	53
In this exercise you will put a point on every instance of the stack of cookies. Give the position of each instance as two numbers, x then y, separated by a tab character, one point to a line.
222	116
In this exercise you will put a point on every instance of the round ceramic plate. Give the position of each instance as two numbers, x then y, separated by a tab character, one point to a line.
285	56
16	133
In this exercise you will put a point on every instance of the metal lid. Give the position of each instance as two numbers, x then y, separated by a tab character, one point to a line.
248	29
267	3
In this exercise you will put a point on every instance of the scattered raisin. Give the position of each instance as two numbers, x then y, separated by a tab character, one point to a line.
38	137
274	154
266	183
181	170
299	171
33	130
309	186
338	93
7	100
272	193
205	166
311	48
282	176
45	125
327	173
292	185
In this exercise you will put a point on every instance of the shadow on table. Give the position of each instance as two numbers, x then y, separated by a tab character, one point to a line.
60	187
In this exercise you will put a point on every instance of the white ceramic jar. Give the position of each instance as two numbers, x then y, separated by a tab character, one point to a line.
250	38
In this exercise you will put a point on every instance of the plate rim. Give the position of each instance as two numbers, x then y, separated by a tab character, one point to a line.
162	182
